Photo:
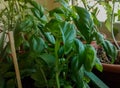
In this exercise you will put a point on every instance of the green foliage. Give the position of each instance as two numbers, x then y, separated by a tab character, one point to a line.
110	50
98	83
89	57
79	46
47	46
36	44
84	23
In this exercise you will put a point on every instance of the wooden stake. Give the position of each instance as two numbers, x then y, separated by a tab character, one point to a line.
12	45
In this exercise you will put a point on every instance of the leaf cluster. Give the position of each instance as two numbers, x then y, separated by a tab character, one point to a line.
49	51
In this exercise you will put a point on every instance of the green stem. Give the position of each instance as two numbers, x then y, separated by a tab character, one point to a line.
112	20
44	77
57	80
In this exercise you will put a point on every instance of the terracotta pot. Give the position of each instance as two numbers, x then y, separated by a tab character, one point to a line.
110	75
114	68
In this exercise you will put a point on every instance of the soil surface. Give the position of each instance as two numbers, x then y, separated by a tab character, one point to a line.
104	58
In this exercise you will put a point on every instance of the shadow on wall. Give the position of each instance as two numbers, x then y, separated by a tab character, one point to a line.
49	4
104	30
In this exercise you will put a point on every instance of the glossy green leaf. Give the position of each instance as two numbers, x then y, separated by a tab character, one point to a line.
48	58
37	13
99	37
64	31
56	10
37	9
97	81
50	37
36	44
84	23
74	64
25	25
98	65
80	49
68	35
90	56
79	78
19	39
110	50
53	26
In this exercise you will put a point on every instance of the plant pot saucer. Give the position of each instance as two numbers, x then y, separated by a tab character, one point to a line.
115	68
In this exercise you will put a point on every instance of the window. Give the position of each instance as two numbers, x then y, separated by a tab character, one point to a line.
101	15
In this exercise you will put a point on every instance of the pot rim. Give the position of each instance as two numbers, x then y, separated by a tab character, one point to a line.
115	68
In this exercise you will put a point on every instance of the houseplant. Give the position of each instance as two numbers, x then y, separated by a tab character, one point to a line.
48	50
107	67
110	74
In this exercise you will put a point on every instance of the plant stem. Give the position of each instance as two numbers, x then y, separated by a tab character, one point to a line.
112	20
44	77
57	80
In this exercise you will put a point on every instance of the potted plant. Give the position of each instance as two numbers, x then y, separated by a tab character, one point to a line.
107	67
110	74
48	50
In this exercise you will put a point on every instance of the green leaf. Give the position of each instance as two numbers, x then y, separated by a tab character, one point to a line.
80	49
56	10
84	23
63	31
97	82
37	44
79	78
90	56
50	37
58	13
25	25
98	65
110	50
74	64
108	24
19	39
37	13
99	37
48	58
68	35
53	26
37	7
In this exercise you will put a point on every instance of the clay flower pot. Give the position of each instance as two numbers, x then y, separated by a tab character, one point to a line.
114	68
110	74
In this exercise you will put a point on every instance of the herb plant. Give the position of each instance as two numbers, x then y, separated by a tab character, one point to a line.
48	49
